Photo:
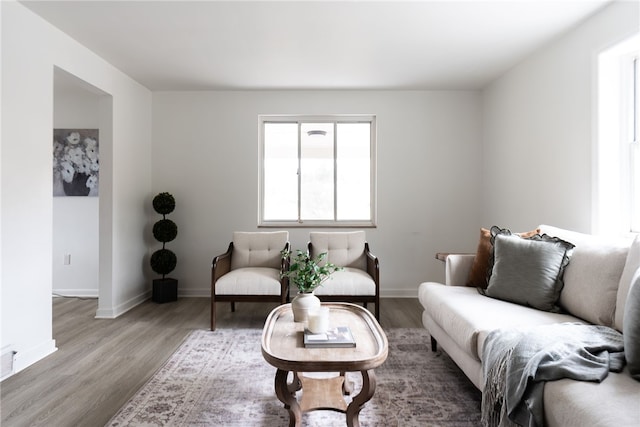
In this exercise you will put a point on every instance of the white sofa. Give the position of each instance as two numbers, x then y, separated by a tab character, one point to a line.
596	283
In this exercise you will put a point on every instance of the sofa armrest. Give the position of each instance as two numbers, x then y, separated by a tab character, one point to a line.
456	269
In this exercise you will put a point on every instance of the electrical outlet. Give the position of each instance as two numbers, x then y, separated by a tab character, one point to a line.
67	259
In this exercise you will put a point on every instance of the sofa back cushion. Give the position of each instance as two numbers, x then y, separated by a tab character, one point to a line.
592	276
631	327
632	264
258	249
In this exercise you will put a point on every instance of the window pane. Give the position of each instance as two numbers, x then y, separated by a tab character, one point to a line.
354	171
280	171
634	196
316	180
635	187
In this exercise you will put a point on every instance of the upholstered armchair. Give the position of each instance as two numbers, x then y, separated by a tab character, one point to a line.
250	270
359	281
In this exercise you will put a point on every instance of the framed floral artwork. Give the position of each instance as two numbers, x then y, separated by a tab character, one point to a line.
76	163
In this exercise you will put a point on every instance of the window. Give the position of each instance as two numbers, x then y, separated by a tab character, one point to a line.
617	191
317	171
634	145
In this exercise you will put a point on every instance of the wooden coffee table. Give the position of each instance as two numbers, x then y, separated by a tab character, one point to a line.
282	347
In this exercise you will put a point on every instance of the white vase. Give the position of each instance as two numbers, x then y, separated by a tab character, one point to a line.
302	303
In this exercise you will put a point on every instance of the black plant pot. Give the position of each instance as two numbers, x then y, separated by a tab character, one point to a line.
164	290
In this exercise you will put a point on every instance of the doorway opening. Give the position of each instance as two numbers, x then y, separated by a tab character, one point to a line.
81	143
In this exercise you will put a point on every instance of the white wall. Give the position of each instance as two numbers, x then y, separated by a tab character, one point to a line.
539	129
205	153
75	219
30	50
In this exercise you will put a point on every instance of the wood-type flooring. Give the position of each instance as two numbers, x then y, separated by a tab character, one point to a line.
101	363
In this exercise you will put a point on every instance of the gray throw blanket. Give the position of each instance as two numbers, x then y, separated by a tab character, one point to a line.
516	364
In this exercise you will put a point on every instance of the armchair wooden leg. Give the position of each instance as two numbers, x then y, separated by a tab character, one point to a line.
434	344
233	306
213	314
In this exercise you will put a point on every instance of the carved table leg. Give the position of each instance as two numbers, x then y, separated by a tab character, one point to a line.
368	388
295	384
347	386
287	395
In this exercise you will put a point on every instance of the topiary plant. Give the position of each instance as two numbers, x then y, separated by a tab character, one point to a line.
163	261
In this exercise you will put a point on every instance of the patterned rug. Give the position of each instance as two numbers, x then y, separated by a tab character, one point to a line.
221	379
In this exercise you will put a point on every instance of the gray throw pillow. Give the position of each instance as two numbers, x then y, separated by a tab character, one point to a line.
631	327
527	271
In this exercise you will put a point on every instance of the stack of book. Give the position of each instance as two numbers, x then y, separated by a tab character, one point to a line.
336	337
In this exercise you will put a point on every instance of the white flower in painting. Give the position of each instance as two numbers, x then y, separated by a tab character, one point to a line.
95	165
73	138
67	171
58	149
91	148
76	156
92	182
84	167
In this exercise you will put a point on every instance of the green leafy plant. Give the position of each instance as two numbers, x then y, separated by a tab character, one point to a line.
163	261
308	273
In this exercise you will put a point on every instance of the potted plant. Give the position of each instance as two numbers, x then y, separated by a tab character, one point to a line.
163	261
306	273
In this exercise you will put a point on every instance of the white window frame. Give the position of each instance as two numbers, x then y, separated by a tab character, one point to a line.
618	124
305	119
633	142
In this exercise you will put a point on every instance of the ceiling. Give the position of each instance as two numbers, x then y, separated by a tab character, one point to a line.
213	45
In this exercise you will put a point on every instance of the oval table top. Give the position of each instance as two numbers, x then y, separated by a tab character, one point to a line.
283	346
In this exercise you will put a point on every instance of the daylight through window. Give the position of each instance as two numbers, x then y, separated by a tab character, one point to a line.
317	171
634	147
617	191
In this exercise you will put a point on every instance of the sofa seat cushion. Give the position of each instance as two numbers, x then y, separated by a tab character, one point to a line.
613	402
350	281
468	316
249	281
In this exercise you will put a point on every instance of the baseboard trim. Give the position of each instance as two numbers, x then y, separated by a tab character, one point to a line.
399	293
25	358
75	293
392	293
112	313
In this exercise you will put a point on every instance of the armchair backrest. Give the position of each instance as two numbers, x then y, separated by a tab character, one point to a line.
258	249
344	249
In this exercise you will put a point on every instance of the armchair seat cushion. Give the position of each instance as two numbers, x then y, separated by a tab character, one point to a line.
250	281
350	281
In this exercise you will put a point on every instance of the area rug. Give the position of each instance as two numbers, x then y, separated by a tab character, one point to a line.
221	379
